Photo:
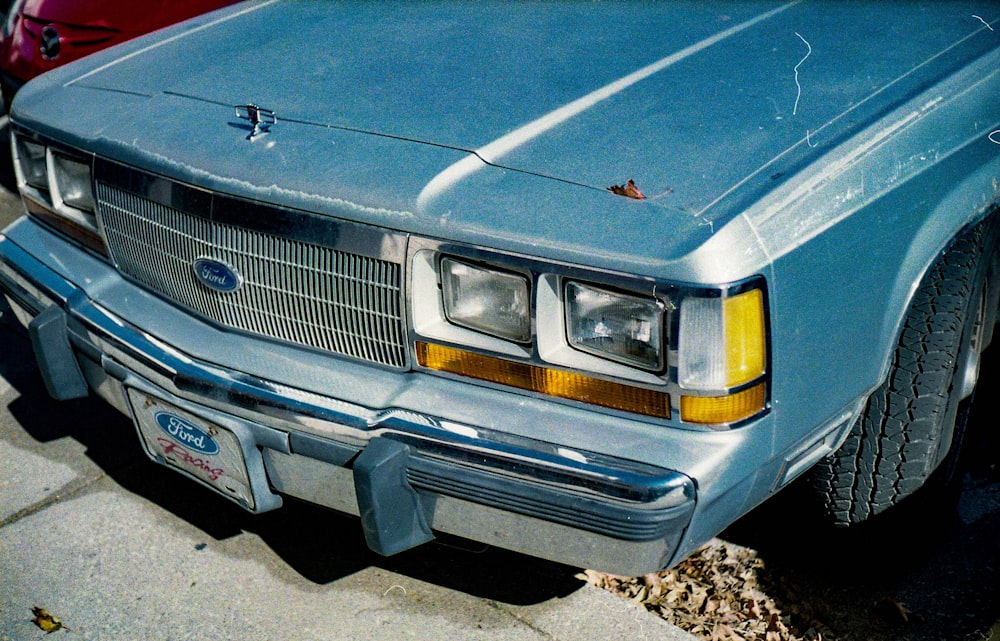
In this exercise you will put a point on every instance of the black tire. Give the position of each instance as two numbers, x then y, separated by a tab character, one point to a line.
911	430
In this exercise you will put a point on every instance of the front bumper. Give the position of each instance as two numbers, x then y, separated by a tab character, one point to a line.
567	505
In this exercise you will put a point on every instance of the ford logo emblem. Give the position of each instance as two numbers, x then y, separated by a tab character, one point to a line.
217	275
185	433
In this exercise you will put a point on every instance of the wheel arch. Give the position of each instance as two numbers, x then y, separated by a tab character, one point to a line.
968	203
909	433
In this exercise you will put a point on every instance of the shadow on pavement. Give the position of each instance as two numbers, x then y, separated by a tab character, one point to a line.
321	545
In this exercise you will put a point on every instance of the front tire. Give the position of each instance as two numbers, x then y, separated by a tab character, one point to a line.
912	426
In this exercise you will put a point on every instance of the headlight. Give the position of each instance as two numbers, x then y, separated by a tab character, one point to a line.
72	182
722	357
691	354
29	157
13	12
486	300
55	185
721	342
622	328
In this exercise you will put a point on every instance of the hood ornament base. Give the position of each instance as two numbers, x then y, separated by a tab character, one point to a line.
260	119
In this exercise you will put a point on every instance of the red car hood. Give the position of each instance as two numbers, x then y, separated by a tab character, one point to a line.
118	15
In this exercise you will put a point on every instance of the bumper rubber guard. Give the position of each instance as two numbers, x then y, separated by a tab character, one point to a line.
391	512
57	363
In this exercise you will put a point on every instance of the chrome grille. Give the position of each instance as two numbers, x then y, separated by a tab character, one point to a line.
293	291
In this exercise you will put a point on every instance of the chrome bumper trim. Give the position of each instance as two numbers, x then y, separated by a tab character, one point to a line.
566	505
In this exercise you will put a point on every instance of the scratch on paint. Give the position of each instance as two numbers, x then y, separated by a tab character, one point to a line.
995	137
983	21
808	141
490	153
777	109
796	70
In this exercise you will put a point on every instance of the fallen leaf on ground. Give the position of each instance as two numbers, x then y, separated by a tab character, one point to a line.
713	594
46	621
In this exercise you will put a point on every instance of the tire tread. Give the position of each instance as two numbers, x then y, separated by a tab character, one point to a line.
891	449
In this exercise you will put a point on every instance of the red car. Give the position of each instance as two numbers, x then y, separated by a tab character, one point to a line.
39	35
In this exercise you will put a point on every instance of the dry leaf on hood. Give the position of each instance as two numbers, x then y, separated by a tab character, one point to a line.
629	190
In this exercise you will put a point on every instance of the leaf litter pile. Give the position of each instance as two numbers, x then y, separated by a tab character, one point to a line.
716	594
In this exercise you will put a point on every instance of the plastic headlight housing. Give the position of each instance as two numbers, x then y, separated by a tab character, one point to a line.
56	186
722	357
690	354
486	300
621	328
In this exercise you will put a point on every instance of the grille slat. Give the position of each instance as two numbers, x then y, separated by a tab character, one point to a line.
293	291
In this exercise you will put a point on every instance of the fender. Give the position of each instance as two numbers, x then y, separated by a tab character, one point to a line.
965	205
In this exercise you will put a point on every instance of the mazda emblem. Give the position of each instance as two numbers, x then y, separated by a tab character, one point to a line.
51	43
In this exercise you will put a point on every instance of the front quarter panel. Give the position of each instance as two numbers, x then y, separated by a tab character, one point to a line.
848	240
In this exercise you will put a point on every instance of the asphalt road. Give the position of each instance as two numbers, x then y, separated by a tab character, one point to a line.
117	547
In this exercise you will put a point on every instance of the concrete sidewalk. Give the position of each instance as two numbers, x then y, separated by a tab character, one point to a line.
98	536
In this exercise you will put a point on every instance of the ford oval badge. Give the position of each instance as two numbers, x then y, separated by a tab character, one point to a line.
186	433
217	275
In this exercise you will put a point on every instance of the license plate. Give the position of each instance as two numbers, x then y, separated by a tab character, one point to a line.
208	452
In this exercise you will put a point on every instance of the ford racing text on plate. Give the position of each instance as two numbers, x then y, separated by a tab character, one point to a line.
205	451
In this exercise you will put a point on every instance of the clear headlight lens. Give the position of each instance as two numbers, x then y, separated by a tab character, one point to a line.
722	342
622	328
486	300
72	182
30	157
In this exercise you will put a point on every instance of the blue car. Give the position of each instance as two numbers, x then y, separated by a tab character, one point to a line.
588	281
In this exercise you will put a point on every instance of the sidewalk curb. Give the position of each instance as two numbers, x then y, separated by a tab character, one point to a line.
591	614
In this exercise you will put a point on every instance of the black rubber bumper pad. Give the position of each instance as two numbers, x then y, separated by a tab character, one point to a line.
56	361
391	512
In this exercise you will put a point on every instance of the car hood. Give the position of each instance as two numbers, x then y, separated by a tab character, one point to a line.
505	124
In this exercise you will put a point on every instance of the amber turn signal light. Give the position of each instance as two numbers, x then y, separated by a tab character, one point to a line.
553	382
715	410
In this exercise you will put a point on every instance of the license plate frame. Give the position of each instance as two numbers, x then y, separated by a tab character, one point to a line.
193	445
